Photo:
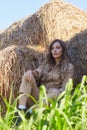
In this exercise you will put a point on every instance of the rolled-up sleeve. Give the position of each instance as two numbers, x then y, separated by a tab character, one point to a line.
40	70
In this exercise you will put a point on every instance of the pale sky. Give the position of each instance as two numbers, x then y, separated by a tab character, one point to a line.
14	10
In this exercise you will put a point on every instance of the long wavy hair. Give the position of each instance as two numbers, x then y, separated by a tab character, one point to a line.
64	58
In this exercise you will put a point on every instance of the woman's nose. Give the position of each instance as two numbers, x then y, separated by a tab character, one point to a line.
54	50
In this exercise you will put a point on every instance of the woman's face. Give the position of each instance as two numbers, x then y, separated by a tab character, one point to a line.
56	50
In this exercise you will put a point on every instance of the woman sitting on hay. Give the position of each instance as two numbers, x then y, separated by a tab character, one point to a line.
54	73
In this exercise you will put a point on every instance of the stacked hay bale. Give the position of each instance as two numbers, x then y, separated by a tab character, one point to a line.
78	55
56	19
14	62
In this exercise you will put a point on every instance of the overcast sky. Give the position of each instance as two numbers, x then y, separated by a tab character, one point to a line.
14	10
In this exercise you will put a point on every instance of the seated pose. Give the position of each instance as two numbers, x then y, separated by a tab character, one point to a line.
54	73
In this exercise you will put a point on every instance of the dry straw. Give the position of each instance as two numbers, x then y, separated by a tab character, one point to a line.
14	62
56	19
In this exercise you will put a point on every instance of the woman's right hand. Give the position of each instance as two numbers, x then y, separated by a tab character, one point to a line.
29	75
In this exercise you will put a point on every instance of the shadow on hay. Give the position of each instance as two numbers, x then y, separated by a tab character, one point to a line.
77	48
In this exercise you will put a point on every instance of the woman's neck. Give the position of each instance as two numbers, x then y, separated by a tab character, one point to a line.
57	60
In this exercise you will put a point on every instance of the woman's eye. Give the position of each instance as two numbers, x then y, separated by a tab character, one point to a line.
58	47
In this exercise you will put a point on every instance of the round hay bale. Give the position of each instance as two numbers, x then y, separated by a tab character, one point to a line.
78	55
14	62
56	19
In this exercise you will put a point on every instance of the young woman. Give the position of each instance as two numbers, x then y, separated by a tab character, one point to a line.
54	73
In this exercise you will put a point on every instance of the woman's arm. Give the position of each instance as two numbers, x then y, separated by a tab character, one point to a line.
39	71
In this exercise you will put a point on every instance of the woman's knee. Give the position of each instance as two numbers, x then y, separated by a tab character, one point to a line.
28	77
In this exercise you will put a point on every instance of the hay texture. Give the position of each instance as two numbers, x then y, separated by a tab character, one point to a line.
78	55
14	62
55	19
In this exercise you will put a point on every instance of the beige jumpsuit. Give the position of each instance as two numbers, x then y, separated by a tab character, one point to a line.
50	77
